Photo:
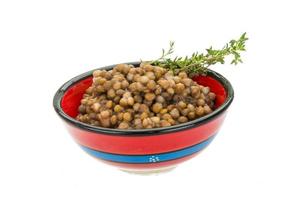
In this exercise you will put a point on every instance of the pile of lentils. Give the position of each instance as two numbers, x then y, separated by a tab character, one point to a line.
147	96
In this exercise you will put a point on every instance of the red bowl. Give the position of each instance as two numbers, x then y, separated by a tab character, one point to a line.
143	149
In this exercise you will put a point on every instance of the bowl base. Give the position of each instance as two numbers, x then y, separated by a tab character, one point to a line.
149	171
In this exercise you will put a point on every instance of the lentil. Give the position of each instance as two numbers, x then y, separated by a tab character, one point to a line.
143	97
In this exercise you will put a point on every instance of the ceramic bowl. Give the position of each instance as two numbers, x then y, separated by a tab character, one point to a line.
143	150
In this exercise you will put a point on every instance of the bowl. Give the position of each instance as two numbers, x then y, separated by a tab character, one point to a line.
143	150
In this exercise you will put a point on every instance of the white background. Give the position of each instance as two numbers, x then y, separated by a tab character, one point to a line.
45	43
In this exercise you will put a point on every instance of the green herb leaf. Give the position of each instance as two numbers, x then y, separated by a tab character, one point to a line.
198	63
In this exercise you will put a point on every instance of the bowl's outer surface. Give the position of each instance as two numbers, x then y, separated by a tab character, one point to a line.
144	151
147	151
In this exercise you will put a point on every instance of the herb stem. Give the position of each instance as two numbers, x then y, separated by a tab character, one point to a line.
198	63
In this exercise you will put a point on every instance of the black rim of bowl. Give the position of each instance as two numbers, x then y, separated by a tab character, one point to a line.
151	131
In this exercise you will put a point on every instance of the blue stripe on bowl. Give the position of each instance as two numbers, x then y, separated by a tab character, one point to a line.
153	158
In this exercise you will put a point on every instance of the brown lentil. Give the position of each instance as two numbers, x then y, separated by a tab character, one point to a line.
130	101
155	119
123	125
182	75
113	119
118	108
182	104
117	86
201	102
123	102
151	85
160	99
144	115
120	116
191	115
199	111
111	93
105	122
127	117
182	119
109	104
149	96
164	123
105	114
207	109
82	109
175	113
170	91
179	88
96	107
157	107
205	90
212	96
120	92
144	79
163	111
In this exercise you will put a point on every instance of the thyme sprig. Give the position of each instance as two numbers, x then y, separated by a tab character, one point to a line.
198	63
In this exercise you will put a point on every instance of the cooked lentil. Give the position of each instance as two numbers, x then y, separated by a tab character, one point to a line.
143	97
